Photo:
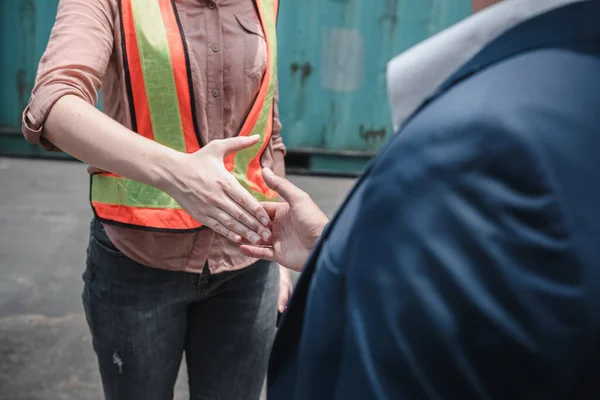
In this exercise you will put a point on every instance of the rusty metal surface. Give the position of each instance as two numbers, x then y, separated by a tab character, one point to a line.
332	62
333	55
24	29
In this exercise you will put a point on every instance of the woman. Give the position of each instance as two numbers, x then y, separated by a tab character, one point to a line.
180	79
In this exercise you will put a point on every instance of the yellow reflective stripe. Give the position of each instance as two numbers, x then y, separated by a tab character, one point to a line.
110	189
159	79
243	158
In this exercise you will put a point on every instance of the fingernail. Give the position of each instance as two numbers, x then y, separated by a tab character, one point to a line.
265	236
268	171
265	222
235	237
255	239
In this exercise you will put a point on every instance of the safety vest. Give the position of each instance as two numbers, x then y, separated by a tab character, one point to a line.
159	85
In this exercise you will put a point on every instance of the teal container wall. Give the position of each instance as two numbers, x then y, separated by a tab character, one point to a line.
332	63
332	60
24	30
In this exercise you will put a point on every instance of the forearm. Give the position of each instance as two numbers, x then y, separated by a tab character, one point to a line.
87	134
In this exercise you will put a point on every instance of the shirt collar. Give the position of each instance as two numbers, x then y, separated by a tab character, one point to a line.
415	74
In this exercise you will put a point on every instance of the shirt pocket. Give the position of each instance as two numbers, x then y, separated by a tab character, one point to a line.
255	46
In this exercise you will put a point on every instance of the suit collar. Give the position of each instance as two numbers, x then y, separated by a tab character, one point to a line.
574	22
417	73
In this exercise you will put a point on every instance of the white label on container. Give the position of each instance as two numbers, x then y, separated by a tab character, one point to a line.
343	56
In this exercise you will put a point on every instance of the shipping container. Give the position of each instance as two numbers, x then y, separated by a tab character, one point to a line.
333	56
24	30
332	59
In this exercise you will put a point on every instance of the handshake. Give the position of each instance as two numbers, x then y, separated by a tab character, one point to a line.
296	225
283	232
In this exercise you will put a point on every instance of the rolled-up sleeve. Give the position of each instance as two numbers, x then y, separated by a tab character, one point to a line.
276	140
74	62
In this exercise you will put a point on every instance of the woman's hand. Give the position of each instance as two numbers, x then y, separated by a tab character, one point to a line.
297	225
212	196
199	182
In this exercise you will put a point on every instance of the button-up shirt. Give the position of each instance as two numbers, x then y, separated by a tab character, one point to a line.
228	60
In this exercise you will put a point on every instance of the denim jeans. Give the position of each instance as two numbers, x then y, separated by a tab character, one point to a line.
144	319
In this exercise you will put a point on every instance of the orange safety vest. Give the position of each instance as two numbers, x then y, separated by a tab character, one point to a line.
159	85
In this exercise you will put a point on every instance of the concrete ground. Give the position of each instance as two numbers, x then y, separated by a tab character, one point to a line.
45	347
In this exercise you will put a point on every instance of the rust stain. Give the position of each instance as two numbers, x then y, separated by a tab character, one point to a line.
22	87
27	58
27	11
305	70
294	68
390	13
371	135
430	18
334	118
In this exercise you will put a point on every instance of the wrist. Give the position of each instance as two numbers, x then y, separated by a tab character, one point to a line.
164	169
318	232
283	270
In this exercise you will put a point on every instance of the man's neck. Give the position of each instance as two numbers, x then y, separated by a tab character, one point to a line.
479	5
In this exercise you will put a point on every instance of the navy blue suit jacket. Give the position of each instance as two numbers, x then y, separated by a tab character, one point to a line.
465	264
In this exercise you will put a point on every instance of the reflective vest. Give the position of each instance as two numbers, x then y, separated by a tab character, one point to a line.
159	85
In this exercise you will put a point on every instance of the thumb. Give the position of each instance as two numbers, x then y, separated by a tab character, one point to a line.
286	189
231	145
282	306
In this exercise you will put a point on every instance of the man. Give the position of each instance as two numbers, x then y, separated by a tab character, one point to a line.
465	262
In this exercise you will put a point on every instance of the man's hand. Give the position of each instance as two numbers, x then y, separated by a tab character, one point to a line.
296	225
286	287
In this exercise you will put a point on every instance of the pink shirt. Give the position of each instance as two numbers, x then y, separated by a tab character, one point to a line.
228	59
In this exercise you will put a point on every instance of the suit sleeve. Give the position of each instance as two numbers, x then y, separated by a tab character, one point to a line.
461	281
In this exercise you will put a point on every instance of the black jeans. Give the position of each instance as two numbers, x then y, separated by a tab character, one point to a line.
143	319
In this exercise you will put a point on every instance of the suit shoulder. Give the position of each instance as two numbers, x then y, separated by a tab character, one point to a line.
512	109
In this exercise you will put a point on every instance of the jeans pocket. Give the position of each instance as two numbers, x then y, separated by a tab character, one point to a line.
86	295
107	248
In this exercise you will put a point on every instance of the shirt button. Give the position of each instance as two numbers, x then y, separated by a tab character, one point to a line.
211	5
215	48
215	93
